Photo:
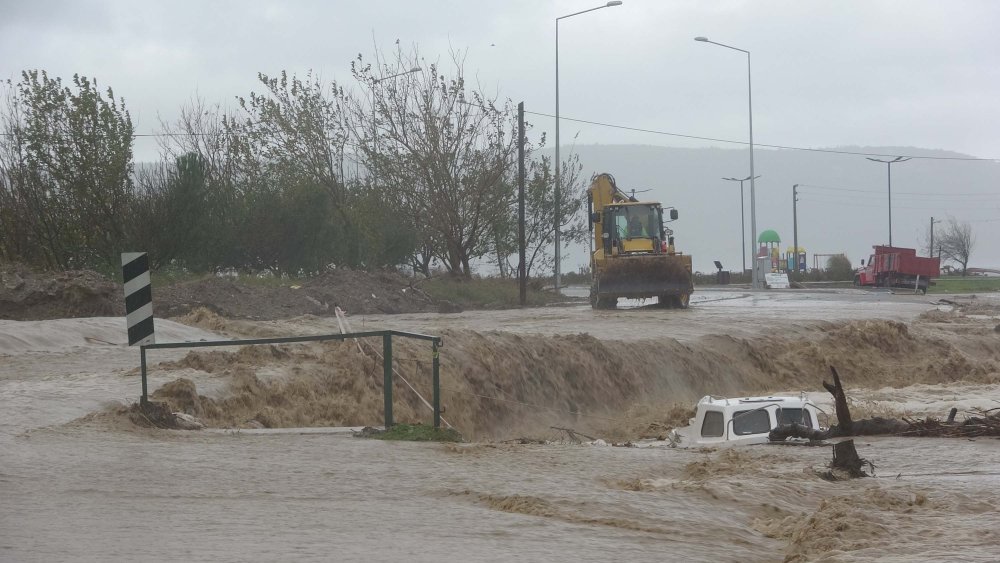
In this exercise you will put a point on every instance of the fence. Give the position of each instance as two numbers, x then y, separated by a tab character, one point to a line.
386	335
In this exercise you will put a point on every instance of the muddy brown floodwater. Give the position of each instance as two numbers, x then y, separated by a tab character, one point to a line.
79	485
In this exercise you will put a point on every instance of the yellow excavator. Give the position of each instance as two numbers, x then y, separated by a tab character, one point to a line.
634	255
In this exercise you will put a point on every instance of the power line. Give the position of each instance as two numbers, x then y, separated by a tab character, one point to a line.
867	205
656	132
878	192
786	147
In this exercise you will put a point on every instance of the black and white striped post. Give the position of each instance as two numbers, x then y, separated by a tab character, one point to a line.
138	305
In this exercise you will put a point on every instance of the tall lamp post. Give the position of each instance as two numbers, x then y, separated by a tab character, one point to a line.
795	225
743	226
376	82
558	163
888	165
753	192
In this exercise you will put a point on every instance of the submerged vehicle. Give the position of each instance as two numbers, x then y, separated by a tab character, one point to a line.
634	254
720	421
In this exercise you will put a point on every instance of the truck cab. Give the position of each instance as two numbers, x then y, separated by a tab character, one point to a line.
891	266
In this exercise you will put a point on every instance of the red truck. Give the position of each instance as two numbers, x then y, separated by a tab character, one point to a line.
892	266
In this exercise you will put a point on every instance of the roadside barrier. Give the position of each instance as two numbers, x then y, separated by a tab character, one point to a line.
386	335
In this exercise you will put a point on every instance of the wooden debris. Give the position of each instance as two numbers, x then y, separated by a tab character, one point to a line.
840	403
524	441
573	434
983	423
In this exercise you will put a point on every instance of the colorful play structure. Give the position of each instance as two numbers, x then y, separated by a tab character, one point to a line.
769	246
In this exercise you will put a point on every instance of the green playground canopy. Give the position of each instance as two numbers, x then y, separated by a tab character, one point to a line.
768	236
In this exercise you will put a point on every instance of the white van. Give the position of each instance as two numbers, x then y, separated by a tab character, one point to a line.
720	421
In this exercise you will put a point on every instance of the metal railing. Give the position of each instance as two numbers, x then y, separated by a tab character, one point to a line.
436	343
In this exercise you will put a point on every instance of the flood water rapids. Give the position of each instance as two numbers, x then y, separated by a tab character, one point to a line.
73	488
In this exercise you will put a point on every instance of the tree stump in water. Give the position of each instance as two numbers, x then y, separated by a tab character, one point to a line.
846	459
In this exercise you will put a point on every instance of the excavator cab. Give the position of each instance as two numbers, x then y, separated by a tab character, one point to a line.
634	227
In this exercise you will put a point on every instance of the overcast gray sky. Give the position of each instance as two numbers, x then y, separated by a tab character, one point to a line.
826	73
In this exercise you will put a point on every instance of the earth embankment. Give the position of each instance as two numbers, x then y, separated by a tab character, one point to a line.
28	295
498	384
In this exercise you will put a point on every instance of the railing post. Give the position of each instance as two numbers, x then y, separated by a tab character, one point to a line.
142	362
387	377
436	385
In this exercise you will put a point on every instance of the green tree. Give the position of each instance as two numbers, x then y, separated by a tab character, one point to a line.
66	172
294	131
839	268
169	214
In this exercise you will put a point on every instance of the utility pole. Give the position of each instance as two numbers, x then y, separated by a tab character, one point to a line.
795	225
889	164
930	249
522	279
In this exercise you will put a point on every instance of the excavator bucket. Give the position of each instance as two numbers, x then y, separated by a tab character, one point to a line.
638	277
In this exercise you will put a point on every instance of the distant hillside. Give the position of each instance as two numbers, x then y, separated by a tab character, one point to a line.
830	221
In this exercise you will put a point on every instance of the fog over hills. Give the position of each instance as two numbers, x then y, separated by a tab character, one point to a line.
842	198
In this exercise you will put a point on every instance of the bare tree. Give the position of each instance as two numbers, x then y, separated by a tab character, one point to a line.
541	211
443	153
957	242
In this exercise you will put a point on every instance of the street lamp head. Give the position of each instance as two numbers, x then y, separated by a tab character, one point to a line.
415	69
700	38
613	3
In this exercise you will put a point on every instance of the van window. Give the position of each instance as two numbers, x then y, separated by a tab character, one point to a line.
751	422
798	416
712	426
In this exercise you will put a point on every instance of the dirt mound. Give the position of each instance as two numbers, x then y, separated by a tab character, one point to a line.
30	296
355	292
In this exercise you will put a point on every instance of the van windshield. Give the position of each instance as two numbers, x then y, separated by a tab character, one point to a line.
798	416
751	422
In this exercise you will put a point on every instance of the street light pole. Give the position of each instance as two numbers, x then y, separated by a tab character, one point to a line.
795	225
753	191
376	82
558	163
888	164
743	226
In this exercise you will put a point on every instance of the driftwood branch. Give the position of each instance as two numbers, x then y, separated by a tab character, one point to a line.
986	424
573	434
840	403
